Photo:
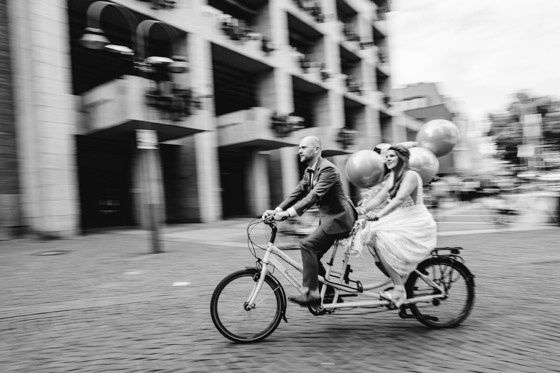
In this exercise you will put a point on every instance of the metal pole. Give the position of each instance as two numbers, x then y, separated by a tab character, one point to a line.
149	159
147	143
154	228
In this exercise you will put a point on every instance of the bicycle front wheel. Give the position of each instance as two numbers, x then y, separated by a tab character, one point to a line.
458	284
238	321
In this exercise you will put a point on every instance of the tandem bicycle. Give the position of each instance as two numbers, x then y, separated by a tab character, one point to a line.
249	304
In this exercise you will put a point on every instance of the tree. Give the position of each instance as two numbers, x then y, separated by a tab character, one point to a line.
507	127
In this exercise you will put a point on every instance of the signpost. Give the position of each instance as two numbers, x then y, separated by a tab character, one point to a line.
532	124
147	140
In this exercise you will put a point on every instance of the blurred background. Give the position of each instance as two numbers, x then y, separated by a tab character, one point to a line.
149	113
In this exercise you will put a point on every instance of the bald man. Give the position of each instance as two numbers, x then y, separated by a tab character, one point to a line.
321	185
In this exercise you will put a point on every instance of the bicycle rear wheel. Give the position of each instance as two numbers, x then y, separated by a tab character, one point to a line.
458	284
234	319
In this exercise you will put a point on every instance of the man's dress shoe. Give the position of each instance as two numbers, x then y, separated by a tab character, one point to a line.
305	300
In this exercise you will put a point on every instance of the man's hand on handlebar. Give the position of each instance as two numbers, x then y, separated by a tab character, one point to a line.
282	215
270	215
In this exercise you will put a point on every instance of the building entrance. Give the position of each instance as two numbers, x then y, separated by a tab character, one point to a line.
105	181
233	178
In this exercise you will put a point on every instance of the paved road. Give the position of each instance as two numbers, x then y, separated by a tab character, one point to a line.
107	305
477	216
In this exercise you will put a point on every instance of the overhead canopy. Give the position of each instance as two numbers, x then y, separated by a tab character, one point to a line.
166	132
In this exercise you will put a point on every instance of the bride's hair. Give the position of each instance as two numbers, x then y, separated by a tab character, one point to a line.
403	154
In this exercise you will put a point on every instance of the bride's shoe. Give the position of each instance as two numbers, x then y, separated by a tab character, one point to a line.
397	296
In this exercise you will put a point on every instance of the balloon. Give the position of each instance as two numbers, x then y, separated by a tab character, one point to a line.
365	168
424	162
439	136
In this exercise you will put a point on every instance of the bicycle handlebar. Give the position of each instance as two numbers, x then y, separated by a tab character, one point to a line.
269	219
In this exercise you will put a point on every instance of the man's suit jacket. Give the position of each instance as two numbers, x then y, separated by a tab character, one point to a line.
336	211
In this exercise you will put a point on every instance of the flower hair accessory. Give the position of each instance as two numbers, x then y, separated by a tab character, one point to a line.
402	150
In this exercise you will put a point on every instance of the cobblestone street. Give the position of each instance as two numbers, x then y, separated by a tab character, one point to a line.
105	304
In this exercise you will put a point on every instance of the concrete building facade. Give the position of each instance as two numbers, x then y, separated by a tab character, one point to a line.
116	113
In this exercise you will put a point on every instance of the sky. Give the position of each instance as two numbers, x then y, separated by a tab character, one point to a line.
479	52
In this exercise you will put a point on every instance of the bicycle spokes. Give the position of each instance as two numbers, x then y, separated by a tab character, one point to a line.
249	321
441	293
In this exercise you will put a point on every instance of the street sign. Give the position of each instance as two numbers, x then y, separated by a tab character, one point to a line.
532	125
525	151
146	139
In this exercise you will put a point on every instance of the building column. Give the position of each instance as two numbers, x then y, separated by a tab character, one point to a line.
257	183
289	167
206	143
46	116
10	215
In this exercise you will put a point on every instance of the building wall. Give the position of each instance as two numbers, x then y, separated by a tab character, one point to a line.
9	180
427	91
48	112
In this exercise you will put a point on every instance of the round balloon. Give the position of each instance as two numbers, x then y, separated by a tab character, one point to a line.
424	162
365	168
439	136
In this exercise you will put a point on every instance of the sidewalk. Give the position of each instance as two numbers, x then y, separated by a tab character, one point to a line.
234	231
468	220
80	265
90	271
98	270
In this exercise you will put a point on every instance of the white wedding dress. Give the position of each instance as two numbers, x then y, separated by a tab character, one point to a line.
404	237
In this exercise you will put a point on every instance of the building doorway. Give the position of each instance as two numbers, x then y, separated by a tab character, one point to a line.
105	182
233	179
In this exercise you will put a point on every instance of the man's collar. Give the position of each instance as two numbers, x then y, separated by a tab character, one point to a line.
314	165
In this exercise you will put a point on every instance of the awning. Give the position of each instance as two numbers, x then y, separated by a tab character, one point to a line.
166	132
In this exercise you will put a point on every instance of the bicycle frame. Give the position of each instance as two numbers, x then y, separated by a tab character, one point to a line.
272	258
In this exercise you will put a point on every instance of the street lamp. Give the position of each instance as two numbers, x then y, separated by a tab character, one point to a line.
94	37
148	66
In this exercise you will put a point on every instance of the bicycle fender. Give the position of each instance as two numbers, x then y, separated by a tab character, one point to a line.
465	268
450	259
452	256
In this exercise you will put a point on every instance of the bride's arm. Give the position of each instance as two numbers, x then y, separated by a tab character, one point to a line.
377	199
407	187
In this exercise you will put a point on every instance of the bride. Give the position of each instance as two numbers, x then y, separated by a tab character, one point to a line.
403	232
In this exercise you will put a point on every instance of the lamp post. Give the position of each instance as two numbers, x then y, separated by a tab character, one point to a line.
94	38
531	123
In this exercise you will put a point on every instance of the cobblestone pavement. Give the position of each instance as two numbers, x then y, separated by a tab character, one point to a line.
105	304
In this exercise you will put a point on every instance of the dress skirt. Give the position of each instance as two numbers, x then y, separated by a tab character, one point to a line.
403	238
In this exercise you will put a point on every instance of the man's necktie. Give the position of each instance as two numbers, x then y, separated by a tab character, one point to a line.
310	170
